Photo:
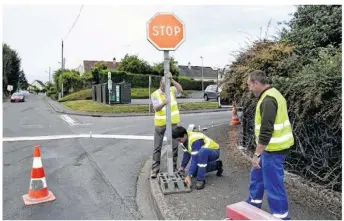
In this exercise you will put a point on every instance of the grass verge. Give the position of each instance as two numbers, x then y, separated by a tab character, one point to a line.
95	107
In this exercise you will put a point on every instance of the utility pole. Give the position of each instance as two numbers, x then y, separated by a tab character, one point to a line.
62	67
217	80
49	74
202	78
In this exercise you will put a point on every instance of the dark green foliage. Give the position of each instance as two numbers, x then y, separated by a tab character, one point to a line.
11	72
305	66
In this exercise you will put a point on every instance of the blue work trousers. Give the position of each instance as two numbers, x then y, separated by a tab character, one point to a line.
206	162
269	178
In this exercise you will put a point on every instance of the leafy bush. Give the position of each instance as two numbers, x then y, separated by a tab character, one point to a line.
80	95
311	84
263	55
315	106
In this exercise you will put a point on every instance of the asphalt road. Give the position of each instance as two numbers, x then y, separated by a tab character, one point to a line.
92	178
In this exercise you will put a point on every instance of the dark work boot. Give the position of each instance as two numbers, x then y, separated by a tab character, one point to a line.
154	174
219	168
200	184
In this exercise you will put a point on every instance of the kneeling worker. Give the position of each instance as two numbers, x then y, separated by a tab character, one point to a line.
203	151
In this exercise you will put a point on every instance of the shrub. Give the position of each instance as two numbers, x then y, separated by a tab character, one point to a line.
80	95
313	94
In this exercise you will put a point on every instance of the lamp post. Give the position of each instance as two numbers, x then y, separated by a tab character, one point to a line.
217	69
202	78
49	73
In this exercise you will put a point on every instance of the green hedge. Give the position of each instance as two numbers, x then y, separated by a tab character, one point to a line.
142	81
136	93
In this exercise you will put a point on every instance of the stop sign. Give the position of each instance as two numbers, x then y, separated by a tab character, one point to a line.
165	31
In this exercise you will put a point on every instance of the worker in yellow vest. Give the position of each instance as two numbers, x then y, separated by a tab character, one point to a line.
274	137
159	105
204	153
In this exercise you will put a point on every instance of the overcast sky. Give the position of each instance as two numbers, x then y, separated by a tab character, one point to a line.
104	32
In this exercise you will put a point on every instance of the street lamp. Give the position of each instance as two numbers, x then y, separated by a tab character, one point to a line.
49	73
223	70
202	78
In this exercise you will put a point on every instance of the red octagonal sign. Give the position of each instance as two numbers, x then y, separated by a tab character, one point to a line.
165	31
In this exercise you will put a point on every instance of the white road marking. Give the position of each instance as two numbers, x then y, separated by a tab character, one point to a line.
73	136
33	126
70	121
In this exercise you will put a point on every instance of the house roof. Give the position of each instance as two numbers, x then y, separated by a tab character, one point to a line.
196	71
39	82
110	64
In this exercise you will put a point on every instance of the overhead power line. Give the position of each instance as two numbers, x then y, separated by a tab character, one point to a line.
75	21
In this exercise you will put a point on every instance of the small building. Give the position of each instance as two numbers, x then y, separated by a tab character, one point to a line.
37	83
195	72
86	65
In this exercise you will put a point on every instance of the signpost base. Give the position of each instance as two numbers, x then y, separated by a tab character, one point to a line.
175	183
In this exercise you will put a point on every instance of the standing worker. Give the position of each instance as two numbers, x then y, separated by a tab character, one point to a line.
159	105
204	152
274	137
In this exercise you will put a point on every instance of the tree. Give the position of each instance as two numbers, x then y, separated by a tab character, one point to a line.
305	66
133	64
11	67
71	80
314	26
23	84
51	90
158	68
96	70
36	89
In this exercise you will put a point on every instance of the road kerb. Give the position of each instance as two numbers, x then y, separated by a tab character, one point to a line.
161	208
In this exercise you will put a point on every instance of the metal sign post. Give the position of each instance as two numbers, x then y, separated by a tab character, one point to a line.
109	86
149	92
168	114
166	32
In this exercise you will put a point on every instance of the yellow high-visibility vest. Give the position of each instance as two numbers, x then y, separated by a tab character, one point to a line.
208	143
160	116
282	136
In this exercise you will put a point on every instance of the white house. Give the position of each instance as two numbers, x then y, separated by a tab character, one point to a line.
86	65
39	84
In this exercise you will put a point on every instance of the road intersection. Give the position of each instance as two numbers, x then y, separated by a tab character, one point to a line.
91	163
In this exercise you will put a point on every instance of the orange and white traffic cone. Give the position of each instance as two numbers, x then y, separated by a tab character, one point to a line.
235	118
38	191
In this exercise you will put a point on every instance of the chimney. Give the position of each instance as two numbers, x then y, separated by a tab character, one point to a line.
189	65
114	63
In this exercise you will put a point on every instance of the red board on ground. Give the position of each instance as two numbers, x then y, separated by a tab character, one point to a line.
245	211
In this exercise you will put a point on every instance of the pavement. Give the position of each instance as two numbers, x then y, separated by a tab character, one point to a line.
210	202
92	178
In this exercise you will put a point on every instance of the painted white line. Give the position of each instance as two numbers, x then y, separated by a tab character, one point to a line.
68	119
127	137
52	137
72	122
73	136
